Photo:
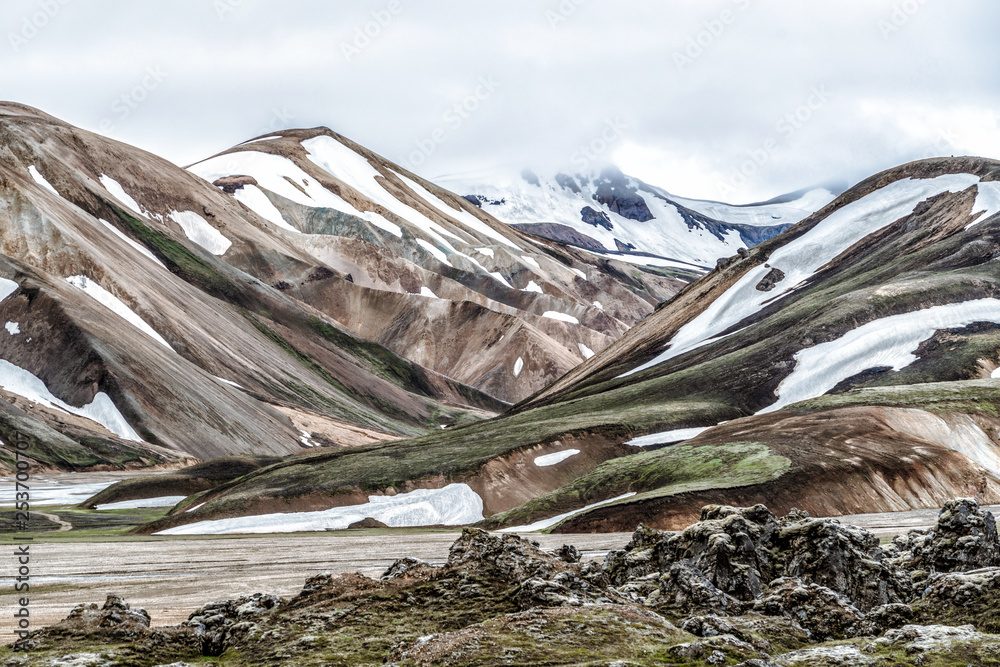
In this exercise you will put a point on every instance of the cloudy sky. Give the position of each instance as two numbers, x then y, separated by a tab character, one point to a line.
737	100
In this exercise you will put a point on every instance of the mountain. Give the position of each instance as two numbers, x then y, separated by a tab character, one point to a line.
153	317
608	212
844	366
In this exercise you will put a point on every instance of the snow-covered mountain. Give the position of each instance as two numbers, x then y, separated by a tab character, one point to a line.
608	211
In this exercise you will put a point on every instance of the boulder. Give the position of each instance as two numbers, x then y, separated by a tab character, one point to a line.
824	613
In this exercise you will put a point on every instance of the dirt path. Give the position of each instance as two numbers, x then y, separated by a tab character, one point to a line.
171	578
63	525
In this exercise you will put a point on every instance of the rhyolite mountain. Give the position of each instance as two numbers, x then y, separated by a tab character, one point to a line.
294	291
608	212
844	366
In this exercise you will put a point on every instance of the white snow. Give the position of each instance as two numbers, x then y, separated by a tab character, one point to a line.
51	492
162	501
761	214
426	291
464	217
42	182
987	201
438	254
229	382
454	505
305	439
191	509
254	141
13	328
101	410
530	261
555	457
273	172
499	278
548	523
578	272
355	171
138	246
598	305
674	435
518	366
889	341
486	251
115	305
585	351
198	230
533	287
562	317
115	189
254	199
7	287
801	258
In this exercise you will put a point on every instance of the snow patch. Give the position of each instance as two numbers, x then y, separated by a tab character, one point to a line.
578	272
254	199
115	189
987	200
598	305
485	251
555	457
518	366
13	328
533	287
675	435
426	291
453	505
531	261
162	501
499	278
562	317
35	174
800	258
138	246
101	410
889	341
115	305
548	523
7	287
198	230
585	351
438	254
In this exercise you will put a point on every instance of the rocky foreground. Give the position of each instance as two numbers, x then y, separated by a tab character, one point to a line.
739	587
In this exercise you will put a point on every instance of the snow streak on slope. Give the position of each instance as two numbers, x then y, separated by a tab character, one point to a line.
271	172
198	230
987	201
138	246
761	214
118	192
101	410
664	437
555	457
254	199
802	257
41	181
454	505
548	523
887	342
115	305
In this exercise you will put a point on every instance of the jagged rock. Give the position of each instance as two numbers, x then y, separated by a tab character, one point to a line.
886	617
843	558
231	184
592	216
615	192
217	623
115	619
773	277
963	596
924	638
825	613
685	587
964	538
568	553
407	568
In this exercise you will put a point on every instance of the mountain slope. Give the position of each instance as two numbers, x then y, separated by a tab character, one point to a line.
607	211
133	341
888	297
428	274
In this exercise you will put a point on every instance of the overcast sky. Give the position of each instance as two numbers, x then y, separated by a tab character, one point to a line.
737	100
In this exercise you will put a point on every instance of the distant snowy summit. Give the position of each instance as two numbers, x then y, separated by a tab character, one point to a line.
607	211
